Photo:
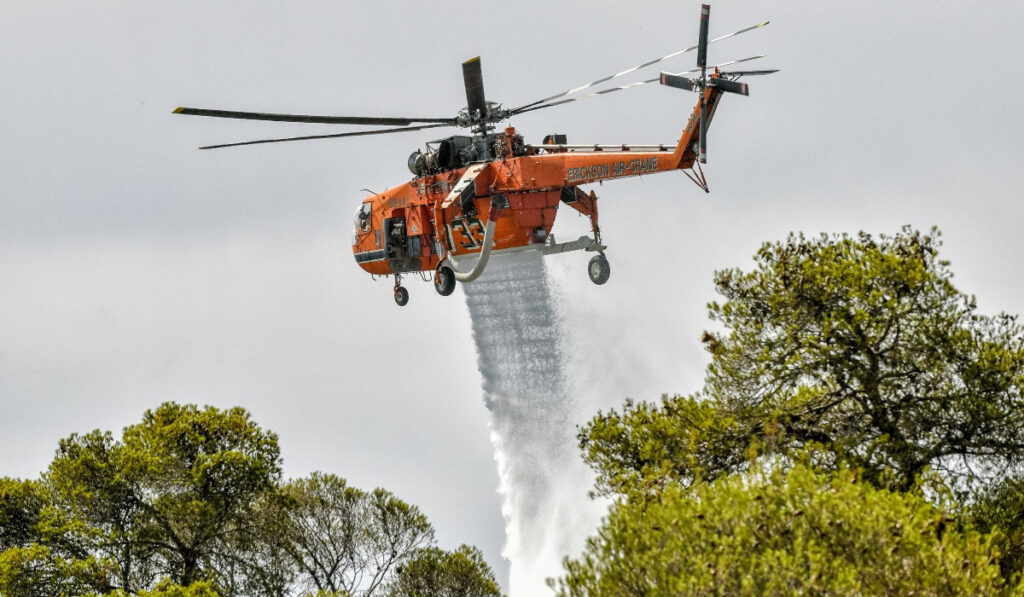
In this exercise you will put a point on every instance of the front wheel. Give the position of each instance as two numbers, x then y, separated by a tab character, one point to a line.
401	296
599	269
444	280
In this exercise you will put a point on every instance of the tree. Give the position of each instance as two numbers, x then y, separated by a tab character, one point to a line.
770	532
21	503
38	571
434	572
859	348
91	483
257	562
190	503
343	539
167	588
1000	509
175	496
42	551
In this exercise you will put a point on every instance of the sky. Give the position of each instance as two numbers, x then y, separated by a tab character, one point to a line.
135	269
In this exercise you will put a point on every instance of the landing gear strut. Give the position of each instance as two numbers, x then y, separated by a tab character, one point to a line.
599	269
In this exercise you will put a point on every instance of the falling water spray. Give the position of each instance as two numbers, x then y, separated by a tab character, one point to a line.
543	482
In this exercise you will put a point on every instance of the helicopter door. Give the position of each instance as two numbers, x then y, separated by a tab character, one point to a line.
395	238
402	255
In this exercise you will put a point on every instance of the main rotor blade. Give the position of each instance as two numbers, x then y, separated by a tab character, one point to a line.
474	80
531	108
702	42
336	135
629	70
721	64
308	118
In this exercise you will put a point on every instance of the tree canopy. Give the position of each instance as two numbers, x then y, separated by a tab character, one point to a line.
173	496
1000	509
771	532
434	572
190	502
344	539
859	347
854	363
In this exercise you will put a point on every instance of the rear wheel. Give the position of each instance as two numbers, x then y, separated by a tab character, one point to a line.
444	280
599	269
401	296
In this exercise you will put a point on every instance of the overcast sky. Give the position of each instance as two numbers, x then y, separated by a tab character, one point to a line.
135	269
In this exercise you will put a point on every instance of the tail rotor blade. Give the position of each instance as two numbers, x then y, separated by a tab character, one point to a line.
678	81
747	73
729	86
702	62
474	80
702	42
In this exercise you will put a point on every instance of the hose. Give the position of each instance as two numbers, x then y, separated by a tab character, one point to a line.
485	251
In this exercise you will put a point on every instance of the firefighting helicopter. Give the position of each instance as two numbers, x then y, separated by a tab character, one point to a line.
490	192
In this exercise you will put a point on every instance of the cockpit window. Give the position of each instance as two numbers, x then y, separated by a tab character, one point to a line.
362	219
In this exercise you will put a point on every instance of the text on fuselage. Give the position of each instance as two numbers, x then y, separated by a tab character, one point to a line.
620	168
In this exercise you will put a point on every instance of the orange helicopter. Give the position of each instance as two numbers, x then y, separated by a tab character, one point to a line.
490	192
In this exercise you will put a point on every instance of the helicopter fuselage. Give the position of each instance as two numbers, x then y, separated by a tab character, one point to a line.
416	226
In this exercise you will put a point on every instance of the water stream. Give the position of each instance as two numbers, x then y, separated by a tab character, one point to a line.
543	482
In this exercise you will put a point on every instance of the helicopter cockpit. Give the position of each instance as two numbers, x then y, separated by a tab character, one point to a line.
362	219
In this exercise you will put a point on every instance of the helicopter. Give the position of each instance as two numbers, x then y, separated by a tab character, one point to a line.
490	192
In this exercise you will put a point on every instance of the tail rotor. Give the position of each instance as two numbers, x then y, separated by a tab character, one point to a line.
721	81
702	62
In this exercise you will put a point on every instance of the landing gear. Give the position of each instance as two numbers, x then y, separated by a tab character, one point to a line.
444	280
599	269
401	296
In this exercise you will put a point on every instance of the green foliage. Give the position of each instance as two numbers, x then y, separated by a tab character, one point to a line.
433	572
684	439
859	348
21	504
344	539
93	486
256	561
189	503
176	492
167	588
769	532
1000	509
42	550
37	571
